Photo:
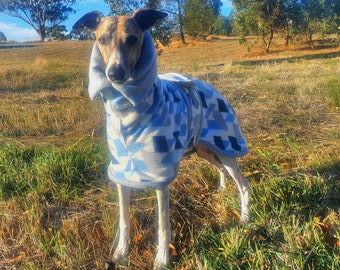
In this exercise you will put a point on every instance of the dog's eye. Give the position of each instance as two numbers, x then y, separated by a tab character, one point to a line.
131	40
103	40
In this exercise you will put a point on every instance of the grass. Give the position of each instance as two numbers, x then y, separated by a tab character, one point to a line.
57	210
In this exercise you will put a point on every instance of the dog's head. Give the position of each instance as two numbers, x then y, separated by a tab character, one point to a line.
120	39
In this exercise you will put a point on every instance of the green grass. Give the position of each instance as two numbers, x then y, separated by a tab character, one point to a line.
49	169
334	92
57	210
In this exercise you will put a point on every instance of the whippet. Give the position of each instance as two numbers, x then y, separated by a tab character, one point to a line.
153	121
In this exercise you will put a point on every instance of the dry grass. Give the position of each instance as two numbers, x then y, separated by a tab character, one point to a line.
58	212
43	92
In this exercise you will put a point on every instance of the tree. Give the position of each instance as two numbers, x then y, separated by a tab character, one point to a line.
221	26
312	17
292	18
82	34
57	33
336	8
199	16
175	8
3	38
180	5
42	15
319	17
259	17
123	7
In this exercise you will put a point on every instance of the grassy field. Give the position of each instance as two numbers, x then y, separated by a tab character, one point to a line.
57	210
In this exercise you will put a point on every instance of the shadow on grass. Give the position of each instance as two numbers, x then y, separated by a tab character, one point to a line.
289	59
332	173
17	46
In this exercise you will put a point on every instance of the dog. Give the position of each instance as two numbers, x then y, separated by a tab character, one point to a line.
153	121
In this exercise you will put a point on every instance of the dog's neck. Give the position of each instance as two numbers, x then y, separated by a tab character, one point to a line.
138	88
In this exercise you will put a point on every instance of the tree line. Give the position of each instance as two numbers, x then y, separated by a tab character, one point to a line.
288	18
196	18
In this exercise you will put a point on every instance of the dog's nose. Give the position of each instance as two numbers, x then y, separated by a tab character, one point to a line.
116	73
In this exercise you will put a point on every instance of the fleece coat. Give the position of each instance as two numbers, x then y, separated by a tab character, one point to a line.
152	121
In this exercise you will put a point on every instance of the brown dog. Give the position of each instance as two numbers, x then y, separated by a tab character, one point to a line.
153	121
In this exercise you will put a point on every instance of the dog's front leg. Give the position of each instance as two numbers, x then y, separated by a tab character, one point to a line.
122	249
162	257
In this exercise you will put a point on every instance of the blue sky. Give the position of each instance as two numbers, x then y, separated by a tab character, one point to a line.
18	30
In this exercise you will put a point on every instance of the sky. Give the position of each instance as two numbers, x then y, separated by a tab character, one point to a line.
18	30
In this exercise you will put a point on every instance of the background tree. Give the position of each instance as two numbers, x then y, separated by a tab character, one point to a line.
292	18
175	9
336	8
222	26
312	19
58	32
161	31
215	5
259	17
81	34
199	16
318	17
3	38
40	14
124	7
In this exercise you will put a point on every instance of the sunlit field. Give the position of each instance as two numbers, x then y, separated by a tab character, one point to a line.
58	211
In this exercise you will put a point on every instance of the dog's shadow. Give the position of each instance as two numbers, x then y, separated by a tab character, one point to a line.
331	172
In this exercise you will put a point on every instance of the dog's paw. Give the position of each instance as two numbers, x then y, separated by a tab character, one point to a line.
120	256
162	259
110	266
221	188
244	219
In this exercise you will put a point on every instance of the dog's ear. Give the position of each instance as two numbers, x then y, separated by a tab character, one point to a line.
146	18
89	21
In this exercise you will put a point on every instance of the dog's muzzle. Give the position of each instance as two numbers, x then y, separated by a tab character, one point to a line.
116	73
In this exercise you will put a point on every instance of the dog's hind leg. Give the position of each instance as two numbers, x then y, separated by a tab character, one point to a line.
228	165
210	156
122	249
162	257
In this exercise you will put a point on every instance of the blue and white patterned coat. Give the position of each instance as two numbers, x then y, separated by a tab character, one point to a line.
153	120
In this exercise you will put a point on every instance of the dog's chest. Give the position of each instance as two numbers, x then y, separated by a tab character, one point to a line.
147	141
